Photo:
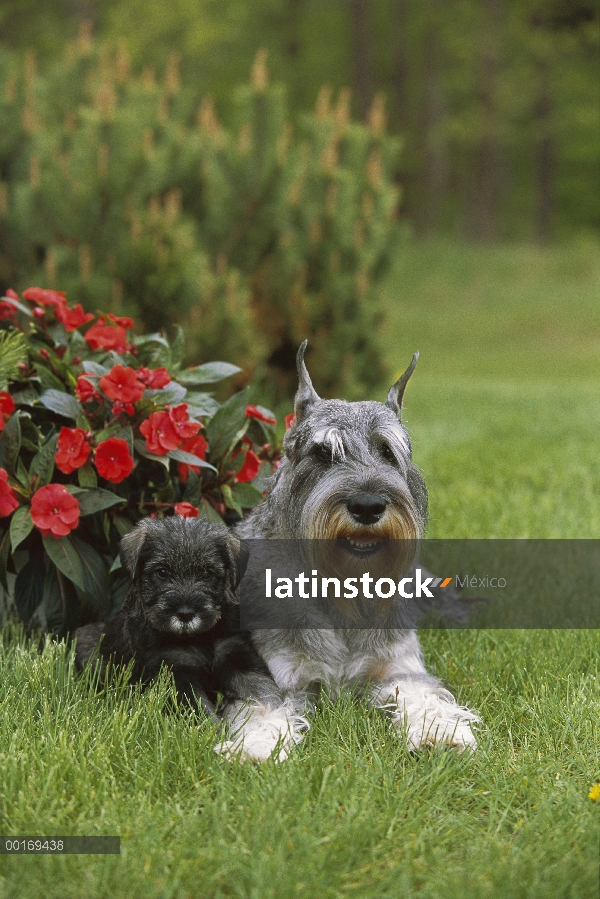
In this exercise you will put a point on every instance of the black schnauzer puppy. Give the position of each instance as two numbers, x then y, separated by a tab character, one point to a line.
182	612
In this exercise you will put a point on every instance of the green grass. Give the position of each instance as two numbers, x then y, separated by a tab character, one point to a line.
504	418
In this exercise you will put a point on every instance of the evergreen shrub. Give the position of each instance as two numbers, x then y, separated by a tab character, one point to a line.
252	235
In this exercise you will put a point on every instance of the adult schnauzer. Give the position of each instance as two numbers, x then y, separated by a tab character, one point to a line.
347	474
182	612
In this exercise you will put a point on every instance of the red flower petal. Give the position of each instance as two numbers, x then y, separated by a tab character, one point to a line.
54	510
72	449
122	384
254	412
113	460
186	510
249	469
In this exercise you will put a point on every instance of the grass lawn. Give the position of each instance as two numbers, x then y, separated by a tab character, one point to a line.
504	415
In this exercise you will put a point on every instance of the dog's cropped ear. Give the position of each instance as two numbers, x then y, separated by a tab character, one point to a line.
396	392
306	395
130	547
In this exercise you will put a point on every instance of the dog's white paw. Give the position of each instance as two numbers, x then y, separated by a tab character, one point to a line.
430	719
261	732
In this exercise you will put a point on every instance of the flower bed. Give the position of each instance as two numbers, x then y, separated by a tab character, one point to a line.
100	428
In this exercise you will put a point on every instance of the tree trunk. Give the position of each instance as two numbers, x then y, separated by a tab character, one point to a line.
543	155
487	162
434	168
363	73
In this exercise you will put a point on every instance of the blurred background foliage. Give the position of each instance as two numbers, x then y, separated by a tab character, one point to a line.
138	161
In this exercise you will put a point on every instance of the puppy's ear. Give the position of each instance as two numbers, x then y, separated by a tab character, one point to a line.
237	560
130	547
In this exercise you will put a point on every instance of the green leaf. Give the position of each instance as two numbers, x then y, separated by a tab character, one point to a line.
201	405
22	473
141	449
193	489
172	394
116	564
56	598
13	350
227	426
4	550
62	403
42	465
21	526
208	373
66	558
20	306
190	459
95	500
230	500
94	368
151	338
10	444
122	525
29	590
80	563
48	379
246	495
25	397
177	347
87	476
208	512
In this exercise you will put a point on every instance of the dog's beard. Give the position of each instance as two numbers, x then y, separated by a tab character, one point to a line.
185	628
341	547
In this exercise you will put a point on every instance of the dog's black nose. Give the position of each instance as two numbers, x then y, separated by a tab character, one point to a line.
366	508
185	614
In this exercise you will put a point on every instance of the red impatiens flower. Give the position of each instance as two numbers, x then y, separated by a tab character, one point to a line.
55	512
154	378
113	460
45	297
8	501
85	390
197	446
7	407
7	310
182	424
73	449
120	320
254	412
122	384
159	431
107	337
73	318
122	408
249	469
186	510
290	421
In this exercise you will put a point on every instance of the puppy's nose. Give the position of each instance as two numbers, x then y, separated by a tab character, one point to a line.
366	508
185	614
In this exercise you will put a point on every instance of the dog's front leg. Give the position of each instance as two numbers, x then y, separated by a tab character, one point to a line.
260	730
425	712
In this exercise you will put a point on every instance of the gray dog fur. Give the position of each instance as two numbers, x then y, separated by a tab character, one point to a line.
347	473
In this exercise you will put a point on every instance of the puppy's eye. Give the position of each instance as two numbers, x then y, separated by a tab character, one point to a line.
388	454
162	573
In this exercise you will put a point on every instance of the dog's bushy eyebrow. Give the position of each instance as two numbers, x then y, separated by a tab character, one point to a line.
332	440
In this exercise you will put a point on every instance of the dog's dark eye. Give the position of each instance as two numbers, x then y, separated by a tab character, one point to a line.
162	573
387	454
321	452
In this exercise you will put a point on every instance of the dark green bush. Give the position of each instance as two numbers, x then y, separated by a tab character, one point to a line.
251	235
